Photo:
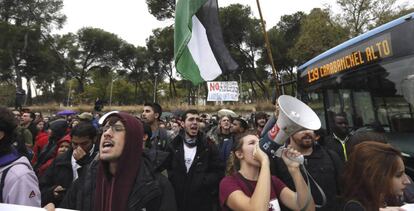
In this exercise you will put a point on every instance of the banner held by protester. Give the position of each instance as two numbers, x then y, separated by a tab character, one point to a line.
223	91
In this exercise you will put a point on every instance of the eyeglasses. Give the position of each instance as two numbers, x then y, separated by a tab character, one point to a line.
115	128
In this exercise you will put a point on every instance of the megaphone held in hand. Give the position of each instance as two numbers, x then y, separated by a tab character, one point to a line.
294	116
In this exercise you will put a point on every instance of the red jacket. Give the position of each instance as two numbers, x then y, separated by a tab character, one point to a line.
46	165
40	142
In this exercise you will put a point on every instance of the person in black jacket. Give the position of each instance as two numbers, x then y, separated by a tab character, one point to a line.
123	178
67	167
194	167
323	165
338	141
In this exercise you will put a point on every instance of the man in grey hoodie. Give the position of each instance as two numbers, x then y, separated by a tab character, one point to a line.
18	182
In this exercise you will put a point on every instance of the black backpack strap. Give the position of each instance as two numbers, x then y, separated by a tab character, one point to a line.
338	167
3	178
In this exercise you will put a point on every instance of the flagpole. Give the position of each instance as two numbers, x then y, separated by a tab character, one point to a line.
269	50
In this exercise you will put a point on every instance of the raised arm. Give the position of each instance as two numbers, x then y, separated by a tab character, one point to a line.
302	198
259	201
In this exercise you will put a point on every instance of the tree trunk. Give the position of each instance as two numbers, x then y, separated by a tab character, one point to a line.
19	83
36	93
170	88
155	90
136	92
80	84
144	94
29	92
174	89
205	91
263	88
189	92
253	89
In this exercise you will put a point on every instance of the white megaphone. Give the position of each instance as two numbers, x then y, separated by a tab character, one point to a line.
294	116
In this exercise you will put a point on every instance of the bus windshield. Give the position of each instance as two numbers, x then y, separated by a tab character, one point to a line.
370	79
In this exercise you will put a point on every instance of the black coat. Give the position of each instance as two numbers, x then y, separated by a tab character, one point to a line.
152	191
336	146
197	189
60	173
33	130
325	167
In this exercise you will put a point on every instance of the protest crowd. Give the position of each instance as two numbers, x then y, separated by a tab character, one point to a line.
192	161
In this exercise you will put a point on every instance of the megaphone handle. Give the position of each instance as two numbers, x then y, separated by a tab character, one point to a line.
300	159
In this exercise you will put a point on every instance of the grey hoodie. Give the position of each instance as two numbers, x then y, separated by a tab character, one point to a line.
21	185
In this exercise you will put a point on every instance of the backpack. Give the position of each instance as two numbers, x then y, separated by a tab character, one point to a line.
3	178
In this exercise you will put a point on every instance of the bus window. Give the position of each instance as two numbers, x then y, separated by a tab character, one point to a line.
339	101
407	88
364	109
397	113
315	101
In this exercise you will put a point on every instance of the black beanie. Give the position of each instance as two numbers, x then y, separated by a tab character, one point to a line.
58	128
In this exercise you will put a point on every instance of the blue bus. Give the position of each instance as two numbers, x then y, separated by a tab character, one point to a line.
370	78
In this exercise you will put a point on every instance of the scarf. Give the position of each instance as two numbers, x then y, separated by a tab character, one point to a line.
190	142
9	158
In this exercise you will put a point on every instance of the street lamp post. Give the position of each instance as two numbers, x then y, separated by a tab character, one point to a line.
70	90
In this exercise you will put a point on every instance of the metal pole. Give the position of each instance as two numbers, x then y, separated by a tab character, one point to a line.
70	90
198	94
110	93
241	90
269	50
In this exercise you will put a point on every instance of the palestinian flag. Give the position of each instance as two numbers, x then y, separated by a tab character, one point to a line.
199	50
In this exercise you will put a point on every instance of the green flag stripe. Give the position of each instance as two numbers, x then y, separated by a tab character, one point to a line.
183	24
186	62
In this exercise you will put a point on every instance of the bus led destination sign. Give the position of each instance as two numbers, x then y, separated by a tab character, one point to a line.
365	53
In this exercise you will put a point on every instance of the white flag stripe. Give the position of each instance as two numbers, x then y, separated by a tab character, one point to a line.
201	52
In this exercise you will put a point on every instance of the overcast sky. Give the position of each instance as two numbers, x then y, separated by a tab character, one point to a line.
131	21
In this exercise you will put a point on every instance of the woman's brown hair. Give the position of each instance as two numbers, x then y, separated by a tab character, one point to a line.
368	174
233	163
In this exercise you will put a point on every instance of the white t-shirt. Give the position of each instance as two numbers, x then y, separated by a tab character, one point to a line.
75	167
274	205
189	154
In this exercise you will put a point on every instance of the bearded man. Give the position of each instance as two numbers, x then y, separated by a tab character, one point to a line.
322	164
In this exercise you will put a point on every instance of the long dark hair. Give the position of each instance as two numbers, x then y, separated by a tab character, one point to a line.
368	174
8	124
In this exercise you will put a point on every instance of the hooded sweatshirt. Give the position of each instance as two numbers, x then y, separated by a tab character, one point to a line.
42	169
112	191
20	185
58	128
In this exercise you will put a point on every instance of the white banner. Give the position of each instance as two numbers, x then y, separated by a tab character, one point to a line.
14	207
223	91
